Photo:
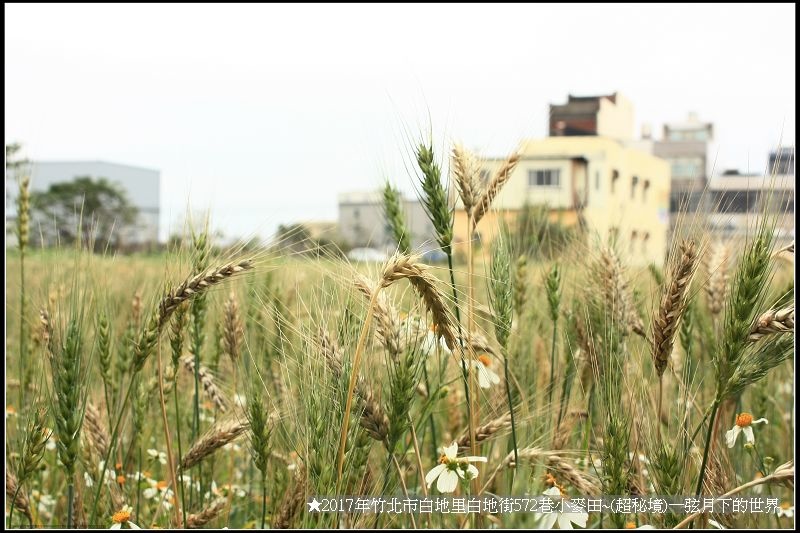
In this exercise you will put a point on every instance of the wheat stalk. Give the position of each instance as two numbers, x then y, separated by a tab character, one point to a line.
673	304
373	417
207	380
215	438
292	502
233	330
95	430
198	520
772	322
411	268
716	265
191	287
393	212
485	431
493	189
16	496
465	169
387	321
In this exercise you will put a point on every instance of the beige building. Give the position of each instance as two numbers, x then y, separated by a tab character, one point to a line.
611	188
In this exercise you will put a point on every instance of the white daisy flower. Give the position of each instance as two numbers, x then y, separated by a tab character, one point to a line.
486	376
123	517
564	520
715	524
431	341
46	502
451	468
155	489
240	400
786	509
743	423
88	480
155	454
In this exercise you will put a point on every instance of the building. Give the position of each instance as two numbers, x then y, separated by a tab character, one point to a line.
141	185
362	222
781	161
605	116
613	189
738	201
685	147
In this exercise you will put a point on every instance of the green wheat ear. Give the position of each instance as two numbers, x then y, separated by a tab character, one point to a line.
434	198
393	211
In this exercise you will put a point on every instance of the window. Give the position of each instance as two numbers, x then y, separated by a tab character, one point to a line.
614	179
544	178
686	167
634	183
597	180
631	245
645	238
645	188
356	213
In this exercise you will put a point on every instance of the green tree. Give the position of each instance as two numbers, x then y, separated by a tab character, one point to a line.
13	163
96	212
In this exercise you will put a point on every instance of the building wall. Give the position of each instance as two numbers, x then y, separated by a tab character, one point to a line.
640	219
141	185
739	202
362	223
606	116
615	119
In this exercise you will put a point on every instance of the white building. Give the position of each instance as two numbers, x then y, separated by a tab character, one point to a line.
142	187
362	222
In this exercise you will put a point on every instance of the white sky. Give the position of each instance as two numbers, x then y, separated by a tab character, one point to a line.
264	113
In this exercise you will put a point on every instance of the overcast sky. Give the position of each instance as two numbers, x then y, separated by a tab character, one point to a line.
265	113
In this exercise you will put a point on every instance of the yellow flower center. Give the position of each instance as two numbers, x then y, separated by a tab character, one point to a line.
485	360
444	460
121	479
161	485
785	505
549	480
630	525
744	420
120	517
118	466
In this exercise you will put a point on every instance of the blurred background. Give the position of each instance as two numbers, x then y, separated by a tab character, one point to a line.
289	119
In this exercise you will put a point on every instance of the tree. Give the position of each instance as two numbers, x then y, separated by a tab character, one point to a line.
13	163
96	212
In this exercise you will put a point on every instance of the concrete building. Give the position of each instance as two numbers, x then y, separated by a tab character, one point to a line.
605	116
611	188
738	201
141	185
685	147
362	222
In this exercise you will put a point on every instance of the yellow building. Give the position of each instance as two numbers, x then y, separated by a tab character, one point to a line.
617	190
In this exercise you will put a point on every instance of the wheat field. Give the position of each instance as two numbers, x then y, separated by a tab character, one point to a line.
209	387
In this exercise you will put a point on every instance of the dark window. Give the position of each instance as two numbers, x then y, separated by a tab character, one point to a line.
736	201
634	183
544	178
614	179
